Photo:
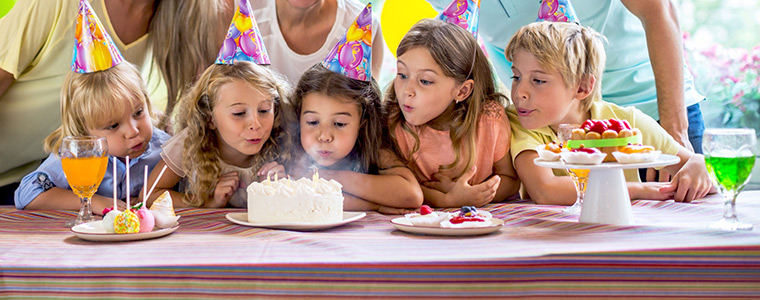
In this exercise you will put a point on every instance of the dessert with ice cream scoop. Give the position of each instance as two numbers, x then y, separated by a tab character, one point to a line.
467	217
583	156
427	217
550	151
636	153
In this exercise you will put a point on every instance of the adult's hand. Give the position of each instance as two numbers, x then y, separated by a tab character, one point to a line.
663	32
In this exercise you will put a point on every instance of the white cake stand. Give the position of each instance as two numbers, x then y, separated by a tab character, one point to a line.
607	200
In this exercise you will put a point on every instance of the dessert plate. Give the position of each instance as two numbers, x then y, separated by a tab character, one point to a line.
94	231
348	217
403	224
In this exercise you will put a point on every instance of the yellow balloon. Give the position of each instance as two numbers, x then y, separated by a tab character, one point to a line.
101	56
354	33
242	23
398	16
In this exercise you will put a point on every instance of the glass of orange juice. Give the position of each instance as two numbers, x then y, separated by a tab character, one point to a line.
579	176
84	160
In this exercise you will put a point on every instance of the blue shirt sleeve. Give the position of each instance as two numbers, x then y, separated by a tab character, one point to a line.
48	175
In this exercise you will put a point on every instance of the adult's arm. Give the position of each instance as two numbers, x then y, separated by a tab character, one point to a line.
5	81
663	34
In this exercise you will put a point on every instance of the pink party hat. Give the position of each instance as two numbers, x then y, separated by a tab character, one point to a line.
463	13
557	11
94	49
243	41
352	56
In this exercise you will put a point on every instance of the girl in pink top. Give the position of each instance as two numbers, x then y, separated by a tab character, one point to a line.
447	119
337	124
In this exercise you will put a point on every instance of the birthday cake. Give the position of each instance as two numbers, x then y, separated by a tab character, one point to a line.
295	201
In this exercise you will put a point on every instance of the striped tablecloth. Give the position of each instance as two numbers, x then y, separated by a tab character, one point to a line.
540	252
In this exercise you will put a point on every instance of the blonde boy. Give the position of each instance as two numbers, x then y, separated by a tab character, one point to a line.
557	79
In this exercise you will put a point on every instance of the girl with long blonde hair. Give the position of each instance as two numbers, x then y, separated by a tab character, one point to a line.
228	130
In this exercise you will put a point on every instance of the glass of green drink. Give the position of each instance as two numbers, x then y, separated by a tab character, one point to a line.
729	156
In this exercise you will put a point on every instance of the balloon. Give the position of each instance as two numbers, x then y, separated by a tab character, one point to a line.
365	18
97	31
5	6
456	9
248	43
78	30
351	55
240	56
354	33
356	73
367	51
243	23
334	65
228	49
367	38
82	59
101	56
398	16
233	33
243	7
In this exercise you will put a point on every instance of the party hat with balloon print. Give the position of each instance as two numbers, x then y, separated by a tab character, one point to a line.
243	41
352	55
557	11
464	13
94	49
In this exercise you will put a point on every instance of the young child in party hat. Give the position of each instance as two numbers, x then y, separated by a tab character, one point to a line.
338	125
447	118
227	125
557	79
103	95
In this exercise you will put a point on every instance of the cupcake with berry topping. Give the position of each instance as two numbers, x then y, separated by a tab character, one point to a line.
427	217
636	153
583	156
550	151
468	217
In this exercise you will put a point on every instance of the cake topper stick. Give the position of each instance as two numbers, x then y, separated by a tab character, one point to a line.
150	192
114	183
145	181
128	194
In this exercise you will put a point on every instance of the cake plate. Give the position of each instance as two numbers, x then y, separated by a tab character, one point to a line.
607	200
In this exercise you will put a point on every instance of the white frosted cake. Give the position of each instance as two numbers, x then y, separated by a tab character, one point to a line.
289	201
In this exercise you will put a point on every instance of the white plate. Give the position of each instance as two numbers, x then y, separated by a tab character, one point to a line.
403	224
94	231
348	217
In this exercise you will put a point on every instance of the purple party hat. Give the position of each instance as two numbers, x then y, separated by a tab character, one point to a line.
94	49
557	11
352	56
463	13
243	41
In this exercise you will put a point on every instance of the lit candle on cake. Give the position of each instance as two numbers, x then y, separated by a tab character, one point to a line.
315	177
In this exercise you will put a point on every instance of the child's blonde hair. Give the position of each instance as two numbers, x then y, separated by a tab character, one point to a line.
201	159
458	54
373	134
576	52
90	100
